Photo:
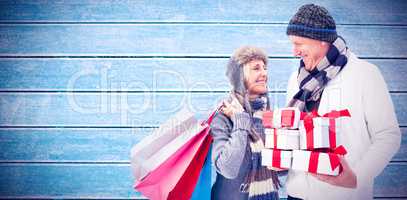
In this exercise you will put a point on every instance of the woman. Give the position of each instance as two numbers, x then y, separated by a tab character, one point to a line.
239	134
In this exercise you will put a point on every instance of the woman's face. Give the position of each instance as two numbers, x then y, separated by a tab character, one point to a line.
255	73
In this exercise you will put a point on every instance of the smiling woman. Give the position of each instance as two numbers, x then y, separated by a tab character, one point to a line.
238	131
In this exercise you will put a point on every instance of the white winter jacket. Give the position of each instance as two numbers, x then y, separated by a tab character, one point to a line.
371	137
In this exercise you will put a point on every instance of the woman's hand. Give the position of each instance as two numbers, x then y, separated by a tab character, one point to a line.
232	108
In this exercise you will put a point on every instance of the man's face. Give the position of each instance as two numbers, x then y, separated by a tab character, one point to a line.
311	51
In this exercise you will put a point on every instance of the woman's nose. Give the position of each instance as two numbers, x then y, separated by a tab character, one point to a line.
264	72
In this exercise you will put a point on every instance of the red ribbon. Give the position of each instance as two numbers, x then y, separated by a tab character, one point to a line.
276	158
334	156
275	138
309	126
333	159
336	114
313	162
287	118
268	119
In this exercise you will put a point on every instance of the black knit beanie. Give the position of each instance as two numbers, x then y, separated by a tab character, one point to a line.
313	21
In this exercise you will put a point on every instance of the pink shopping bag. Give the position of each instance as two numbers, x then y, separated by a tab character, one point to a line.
177	176
157	147
185	186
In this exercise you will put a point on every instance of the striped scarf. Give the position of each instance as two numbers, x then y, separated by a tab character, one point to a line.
311	84
261	183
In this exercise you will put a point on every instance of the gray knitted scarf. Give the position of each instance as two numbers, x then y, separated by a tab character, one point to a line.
261	182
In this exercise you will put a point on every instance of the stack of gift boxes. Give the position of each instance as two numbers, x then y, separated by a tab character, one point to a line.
303	141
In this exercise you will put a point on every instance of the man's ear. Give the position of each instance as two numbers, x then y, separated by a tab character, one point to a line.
324	43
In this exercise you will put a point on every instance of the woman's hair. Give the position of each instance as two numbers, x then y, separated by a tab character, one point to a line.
235	73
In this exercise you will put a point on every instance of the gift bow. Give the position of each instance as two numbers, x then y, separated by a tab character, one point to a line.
309	125
287	118
268	119
333	158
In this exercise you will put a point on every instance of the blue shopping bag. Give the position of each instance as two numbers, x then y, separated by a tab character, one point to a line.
203	187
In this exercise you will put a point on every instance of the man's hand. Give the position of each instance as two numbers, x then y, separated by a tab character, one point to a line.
346	178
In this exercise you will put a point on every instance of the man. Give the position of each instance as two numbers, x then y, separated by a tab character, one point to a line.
331	77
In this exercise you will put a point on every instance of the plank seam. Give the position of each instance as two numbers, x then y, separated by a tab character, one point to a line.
108	162
125	91
38	22
225	56
148	91
68	127
86	127
70	197
64	162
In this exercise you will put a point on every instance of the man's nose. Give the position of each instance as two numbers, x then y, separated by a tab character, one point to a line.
296	52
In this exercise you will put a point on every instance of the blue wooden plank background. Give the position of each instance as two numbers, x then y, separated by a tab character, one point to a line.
147	74
271	11
181	40
120	109
83	81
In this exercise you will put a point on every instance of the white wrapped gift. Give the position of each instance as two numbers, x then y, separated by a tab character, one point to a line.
276	158
316	162
320	136
282	139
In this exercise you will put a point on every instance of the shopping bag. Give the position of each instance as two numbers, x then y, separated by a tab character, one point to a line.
161	181
176	177
203	187
142	154
188	182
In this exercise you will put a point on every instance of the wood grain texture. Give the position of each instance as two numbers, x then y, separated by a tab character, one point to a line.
263	11
115	181
82	81
182	40
66	181
87	144
158	74
120	109
69	145
392	182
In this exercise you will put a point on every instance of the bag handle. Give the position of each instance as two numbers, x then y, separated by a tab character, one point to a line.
210	118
